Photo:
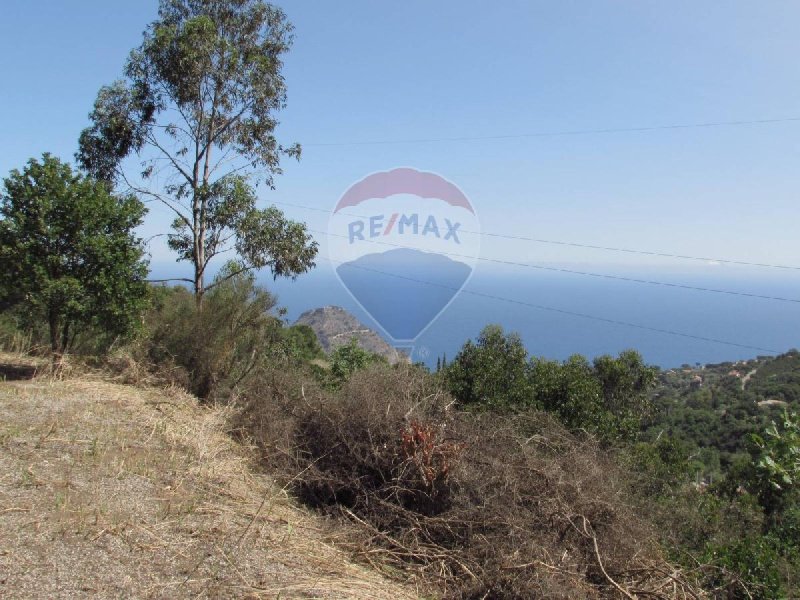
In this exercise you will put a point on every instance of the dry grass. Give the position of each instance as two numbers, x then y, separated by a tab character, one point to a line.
108	490
471	506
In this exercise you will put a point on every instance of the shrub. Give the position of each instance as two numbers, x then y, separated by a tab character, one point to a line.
15	338
372	443
491	373
220	342
473	505
747	568
302	343
349	358
659	468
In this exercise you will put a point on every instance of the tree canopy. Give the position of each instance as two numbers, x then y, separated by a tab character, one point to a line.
608	397
68	252
492	372
197	106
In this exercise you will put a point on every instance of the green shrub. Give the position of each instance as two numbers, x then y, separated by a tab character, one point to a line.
660	468
17	339
349	358
491	373
747	568
302	343
220	342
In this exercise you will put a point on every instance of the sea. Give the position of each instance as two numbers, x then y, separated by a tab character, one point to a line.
558	314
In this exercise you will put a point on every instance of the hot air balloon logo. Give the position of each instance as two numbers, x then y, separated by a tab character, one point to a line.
404	242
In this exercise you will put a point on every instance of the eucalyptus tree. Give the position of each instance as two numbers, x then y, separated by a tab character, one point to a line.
197	107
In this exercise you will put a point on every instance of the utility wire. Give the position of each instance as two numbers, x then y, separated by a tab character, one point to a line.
558	310
542	134
583	273
577	244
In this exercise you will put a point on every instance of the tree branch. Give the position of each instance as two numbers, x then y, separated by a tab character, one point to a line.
158	197
227	277
174	162
170	279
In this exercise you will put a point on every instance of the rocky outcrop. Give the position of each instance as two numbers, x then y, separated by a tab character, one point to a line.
335	327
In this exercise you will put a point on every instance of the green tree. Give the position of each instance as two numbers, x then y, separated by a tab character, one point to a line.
491	373
68	253
625	383
571	391
609	397
302	342
197	106
349	358
659	468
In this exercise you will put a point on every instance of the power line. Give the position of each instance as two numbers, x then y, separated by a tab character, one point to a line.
583	273
559	310
542	134
578	244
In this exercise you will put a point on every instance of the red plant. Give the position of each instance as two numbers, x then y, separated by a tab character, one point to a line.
422	445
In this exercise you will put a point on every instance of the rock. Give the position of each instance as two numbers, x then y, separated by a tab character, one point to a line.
335	327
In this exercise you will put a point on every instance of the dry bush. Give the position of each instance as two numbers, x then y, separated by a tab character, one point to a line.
132	366
472	506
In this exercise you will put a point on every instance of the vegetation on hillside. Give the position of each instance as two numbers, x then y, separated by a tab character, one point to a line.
69	257
499	475
470	482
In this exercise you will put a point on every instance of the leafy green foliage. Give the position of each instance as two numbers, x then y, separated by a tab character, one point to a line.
744	527
625	383
349	358
778	466
491	373
302	343
608	397
220	342
199	100
662	467
69	256
754	560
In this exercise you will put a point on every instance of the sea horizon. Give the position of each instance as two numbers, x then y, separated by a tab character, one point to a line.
558	314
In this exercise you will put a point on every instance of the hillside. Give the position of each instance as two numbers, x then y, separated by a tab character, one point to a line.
335	327
717	406
109	490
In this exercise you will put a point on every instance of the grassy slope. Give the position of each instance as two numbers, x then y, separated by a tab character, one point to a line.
108	490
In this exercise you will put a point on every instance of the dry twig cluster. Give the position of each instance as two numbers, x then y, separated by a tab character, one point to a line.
468	505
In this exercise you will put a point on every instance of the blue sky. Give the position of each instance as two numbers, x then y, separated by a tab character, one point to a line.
365	71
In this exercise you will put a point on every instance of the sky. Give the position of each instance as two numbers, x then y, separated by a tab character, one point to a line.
365	71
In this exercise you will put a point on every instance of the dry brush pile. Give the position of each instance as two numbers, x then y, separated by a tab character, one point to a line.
467	505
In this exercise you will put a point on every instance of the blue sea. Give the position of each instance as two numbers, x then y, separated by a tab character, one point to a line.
560	314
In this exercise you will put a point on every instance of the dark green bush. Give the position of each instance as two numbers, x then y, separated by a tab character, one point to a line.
747	569
302	343
491	373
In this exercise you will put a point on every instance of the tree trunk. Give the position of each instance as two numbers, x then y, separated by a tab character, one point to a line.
198	254
199	285
56	345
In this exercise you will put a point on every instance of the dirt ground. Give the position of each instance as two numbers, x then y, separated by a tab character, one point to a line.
113	491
